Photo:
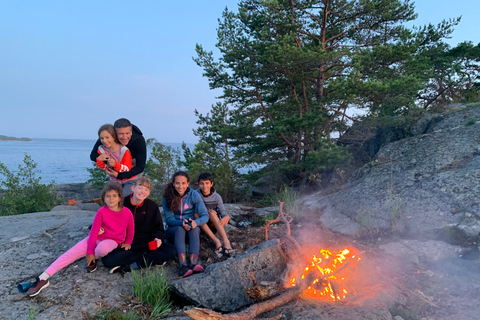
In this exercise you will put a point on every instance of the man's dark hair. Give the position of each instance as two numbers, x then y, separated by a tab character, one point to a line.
122	123
205	176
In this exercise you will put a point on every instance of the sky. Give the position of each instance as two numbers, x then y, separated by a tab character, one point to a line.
67	67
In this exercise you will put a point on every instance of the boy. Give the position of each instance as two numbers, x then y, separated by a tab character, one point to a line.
217	214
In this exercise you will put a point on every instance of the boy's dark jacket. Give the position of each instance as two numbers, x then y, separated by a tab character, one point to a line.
138	150
148	223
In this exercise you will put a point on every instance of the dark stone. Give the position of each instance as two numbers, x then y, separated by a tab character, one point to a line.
222	286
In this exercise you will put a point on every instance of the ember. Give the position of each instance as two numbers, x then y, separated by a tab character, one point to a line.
330	280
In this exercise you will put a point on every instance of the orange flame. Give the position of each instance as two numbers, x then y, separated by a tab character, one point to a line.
327	263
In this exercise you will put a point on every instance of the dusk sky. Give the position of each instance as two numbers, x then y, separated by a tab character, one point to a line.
67	67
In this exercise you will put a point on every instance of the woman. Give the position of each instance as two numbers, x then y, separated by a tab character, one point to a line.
180	203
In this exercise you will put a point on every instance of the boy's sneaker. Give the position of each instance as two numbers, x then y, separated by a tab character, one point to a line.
38	286
185	271
92	267
196	268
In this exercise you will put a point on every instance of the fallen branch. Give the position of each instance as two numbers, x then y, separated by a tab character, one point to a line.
45	232
281	217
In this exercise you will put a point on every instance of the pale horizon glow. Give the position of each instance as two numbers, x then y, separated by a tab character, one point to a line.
67	67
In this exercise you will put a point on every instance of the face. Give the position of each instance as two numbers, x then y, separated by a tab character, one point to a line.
124	135
180	184
205	186
112	200
140	193
106	139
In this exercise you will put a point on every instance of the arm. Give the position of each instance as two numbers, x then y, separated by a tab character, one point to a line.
130	227
169	215
200	209
221	207
93	235
138	151
99	162
94	153
125	163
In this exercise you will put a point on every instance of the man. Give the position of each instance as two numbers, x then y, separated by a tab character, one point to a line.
130	136
149	246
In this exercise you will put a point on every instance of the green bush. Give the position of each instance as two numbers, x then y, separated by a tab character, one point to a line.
98	177
151	287
290	197
163	163
22	192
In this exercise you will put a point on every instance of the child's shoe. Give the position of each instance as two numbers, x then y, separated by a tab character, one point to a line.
196	268
38	286
92	267
185	271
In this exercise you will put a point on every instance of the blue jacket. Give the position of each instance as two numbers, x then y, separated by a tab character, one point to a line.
191	202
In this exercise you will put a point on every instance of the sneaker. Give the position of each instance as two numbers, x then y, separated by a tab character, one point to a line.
38	286
196	268
120	269
185	271
92	267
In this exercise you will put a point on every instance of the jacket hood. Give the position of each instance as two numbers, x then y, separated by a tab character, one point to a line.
136	134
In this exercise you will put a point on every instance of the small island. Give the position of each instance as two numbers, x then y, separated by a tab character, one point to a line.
7	138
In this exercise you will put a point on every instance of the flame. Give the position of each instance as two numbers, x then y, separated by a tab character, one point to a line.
326	263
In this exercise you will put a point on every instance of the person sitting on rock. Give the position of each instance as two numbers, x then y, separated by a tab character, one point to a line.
218	216
180	202
112	155
149	246
117	224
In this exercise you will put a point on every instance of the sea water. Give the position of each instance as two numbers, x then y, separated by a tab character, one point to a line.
58	160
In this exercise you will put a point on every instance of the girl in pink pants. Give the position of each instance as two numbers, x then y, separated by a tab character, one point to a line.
117	227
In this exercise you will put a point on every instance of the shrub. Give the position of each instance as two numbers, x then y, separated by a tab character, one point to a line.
163	163
98	177
22	192
290	197
151	287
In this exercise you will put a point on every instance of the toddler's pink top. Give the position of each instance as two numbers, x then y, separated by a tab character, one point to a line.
118	226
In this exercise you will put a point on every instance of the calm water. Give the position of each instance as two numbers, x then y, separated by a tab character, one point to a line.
61	160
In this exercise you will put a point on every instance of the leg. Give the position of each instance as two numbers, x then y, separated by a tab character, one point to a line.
76	252
177	236
164	253
104	247
205	228
121	257
221	231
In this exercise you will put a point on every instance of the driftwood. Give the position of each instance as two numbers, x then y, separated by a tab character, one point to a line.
285	218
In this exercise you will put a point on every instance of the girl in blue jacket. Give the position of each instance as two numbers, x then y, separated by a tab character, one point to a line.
180	202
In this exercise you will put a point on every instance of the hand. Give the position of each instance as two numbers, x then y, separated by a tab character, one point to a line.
103	157
224	221
126	246
101	231
211	211
159	242
111	162
90	259
111	172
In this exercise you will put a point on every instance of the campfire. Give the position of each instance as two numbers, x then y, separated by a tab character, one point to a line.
311	273
333	274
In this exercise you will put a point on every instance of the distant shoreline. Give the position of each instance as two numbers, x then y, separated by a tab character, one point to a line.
7	138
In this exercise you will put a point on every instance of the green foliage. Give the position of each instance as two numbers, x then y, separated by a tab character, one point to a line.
22	192
164	161
151	287
290	197
213	152
291	71
32	313
98	177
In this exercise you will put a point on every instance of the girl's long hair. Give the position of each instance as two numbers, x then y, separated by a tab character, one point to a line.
171	195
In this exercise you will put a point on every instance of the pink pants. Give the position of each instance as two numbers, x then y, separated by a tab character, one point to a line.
78	251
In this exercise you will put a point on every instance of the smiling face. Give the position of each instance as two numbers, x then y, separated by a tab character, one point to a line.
107	139
140	193
112	200
124	135
205	186
181	184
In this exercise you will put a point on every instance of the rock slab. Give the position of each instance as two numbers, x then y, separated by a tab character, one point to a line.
222	286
